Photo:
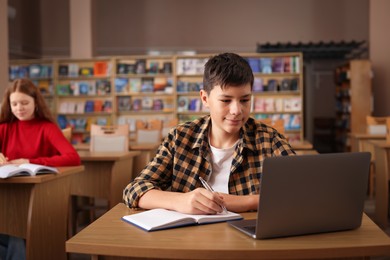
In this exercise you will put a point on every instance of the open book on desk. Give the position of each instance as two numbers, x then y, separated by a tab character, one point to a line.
25	169
157	219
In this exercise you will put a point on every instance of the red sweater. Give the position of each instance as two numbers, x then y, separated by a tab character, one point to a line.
40	141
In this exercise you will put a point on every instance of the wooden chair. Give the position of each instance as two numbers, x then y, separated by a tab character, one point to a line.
167	125
149	131
67	133
103	139
376	125
109	138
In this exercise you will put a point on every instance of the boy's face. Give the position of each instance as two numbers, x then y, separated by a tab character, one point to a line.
229	107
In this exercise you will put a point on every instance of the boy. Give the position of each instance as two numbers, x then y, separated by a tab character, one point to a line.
226	148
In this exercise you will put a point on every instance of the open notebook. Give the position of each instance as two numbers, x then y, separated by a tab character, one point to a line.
309	194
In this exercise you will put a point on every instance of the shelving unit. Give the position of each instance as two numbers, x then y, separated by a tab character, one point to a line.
277	91
122	89
144	89
40	72
353	100
83	91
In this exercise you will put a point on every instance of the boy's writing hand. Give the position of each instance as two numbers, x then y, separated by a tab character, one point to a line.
201	201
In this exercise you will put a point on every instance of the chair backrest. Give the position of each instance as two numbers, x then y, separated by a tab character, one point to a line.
109	138
149	131
167	125
376	125
67	133
277	124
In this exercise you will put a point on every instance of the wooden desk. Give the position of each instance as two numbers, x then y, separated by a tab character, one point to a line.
382	161
105	175
111	236
305	152
304	145
147	152
361	142
36	208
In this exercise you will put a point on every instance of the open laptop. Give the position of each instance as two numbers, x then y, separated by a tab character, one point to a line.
308	194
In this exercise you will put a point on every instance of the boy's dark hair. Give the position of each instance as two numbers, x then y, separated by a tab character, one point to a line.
226	69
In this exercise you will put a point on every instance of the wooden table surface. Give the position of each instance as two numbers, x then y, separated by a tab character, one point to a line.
111	236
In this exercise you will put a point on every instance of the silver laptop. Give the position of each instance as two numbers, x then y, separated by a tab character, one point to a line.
308	194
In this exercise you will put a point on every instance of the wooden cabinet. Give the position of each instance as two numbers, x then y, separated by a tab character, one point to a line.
122	89
353	100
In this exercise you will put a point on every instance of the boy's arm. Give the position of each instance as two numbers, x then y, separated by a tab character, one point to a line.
198	201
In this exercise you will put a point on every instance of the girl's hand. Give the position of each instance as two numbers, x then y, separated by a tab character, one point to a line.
3	159
19	161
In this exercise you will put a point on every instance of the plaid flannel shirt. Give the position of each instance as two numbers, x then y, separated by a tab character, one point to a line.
185	155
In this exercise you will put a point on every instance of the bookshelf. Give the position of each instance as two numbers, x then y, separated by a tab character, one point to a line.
83	93
277	91
123	89
40	72
144	89
353	100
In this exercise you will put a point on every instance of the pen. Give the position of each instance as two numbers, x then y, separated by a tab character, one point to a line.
208	187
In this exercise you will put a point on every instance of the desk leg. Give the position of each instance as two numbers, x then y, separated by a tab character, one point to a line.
47	221
382	186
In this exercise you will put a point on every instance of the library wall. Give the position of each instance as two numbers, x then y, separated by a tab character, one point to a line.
218	25
134	27
380	55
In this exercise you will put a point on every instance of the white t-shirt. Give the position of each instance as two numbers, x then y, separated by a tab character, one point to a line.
221	164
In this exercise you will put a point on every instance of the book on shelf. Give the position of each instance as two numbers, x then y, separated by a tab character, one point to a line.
140	66
63	89
124	103
35	71
89	106
158	104
292	104
272	85
103	87
86	71
147	85
84	87
254	63
147	103
258	85
182	104
25	169
74	88
159	84
153	67
44	86
100	68
266	65
278	65
135	85
167	68
121	85
73	70
158	219
137	104
62	121
98	105
63	70
107	106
